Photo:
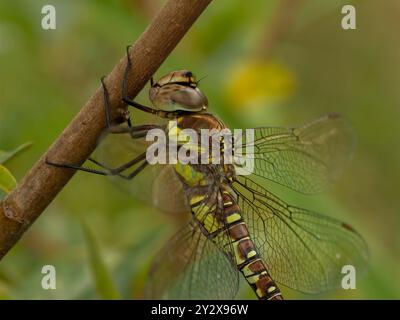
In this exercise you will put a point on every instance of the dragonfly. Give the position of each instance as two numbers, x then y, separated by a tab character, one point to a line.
233	225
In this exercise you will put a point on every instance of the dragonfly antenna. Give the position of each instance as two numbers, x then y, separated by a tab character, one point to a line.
198	81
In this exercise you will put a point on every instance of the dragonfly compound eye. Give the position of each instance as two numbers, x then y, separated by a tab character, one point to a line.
178	91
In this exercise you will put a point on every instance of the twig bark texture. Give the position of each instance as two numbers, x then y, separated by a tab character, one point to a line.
42	183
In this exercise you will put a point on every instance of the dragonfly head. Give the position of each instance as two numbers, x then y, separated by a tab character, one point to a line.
178	91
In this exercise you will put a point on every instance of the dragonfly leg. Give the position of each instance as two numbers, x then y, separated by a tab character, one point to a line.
76	167
130	102
136	132
136	171
108	171
106	104
123	167
110	128
129	176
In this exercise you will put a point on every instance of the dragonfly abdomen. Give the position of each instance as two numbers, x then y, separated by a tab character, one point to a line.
230	221
248	261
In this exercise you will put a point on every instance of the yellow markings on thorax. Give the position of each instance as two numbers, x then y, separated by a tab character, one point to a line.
173	131
183	138
192	177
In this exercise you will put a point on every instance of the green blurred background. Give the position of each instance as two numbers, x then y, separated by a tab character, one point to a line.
267	63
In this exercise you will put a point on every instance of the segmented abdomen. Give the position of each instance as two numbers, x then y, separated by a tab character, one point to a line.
216	219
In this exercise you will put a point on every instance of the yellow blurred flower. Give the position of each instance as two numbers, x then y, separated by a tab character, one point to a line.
257	83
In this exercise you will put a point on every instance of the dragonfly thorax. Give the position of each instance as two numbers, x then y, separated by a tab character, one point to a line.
178	91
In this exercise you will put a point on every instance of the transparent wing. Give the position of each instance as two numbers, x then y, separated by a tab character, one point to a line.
305	159
191	266
303	250
156	185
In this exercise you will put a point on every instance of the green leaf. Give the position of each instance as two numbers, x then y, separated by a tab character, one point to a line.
104	283
7	181
7	155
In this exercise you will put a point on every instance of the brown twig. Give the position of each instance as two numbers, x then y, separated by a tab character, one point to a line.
42	183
